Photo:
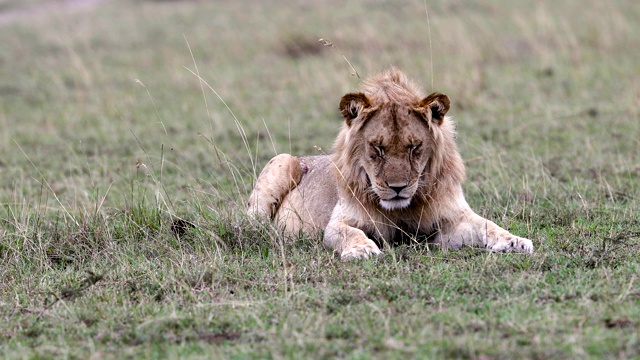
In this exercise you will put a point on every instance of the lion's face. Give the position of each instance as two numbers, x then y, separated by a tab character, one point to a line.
394	142
397	144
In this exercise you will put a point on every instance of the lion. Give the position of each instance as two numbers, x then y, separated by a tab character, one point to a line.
395	173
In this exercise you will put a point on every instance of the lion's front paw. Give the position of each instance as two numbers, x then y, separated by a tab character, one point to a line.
361	251
512	243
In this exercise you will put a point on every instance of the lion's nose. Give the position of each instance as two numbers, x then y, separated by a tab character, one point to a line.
397	187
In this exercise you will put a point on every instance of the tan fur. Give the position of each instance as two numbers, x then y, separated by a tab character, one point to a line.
395	171
279	177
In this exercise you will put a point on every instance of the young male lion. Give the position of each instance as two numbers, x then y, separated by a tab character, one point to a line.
395	171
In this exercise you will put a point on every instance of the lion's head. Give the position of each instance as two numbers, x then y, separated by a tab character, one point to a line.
394	143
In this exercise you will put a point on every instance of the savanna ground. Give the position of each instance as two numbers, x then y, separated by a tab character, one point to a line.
123	177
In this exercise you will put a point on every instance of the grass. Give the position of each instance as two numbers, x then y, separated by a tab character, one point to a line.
122	179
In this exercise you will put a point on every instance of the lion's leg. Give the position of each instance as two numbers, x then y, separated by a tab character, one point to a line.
278	177
346	240
472	229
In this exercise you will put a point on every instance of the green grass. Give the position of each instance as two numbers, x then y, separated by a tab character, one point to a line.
123	178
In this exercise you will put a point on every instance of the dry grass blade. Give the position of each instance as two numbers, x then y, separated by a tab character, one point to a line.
330	45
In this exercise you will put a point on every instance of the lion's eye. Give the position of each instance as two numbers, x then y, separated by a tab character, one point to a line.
379	149
412	148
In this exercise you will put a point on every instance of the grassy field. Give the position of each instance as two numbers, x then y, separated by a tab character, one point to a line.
131	132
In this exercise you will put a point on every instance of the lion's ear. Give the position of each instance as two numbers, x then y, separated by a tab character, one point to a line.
438	104
352	105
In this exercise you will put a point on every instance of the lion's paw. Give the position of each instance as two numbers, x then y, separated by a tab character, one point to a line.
512	243
361	251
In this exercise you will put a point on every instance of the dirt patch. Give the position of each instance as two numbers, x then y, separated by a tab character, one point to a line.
299	46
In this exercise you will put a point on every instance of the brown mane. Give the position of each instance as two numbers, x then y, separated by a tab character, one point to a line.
391	86
445	170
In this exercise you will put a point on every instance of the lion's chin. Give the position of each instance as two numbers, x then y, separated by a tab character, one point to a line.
396	203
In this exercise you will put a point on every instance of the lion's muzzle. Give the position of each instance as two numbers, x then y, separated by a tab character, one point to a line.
395	195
